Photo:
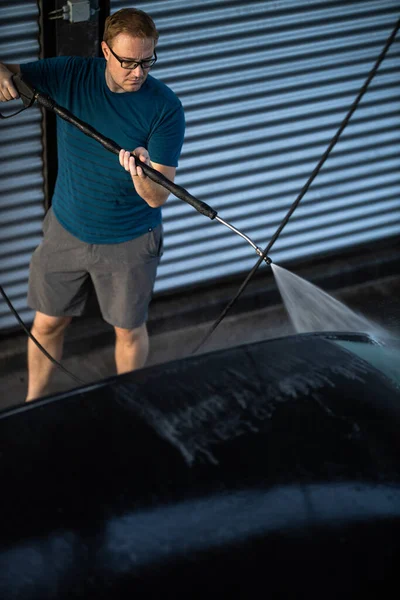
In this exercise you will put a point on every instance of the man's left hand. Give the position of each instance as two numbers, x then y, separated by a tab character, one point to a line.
153	193
128	162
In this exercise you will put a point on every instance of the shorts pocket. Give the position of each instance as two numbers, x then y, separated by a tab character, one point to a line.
156	242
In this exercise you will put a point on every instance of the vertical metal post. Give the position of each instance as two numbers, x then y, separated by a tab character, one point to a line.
59	37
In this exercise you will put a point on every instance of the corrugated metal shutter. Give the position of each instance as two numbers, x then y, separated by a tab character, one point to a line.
21	177
265	86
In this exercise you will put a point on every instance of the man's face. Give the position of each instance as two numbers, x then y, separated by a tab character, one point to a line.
130	49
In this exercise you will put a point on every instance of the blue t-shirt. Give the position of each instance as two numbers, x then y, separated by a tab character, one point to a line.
94	197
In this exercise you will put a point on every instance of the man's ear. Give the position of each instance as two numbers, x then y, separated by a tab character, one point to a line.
105	49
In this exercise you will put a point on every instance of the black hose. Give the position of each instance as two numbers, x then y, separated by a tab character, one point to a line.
38	344
306	186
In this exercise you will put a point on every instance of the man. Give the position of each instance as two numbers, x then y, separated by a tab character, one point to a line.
104	228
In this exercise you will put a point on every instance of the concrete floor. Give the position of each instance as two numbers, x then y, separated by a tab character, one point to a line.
378	300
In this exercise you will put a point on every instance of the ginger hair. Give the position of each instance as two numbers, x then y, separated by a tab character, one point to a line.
132	21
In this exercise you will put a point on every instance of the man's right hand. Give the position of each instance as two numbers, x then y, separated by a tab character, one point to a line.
7	89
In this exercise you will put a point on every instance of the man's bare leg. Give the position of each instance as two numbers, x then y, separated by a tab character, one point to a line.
131	348
49	332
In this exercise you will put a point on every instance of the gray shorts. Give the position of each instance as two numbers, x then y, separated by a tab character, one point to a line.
64	271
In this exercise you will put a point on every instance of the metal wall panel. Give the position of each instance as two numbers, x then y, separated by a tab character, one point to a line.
21	175
265	86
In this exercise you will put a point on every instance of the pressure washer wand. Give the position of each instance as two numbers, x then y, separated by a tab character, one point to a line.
245	237
28	95
26	91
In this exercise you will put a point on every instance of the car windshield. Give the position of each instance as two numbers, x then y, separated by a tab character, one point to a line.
385	358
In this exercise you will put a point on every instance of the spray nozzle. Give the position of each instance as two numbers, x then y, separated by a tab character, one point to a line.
266	259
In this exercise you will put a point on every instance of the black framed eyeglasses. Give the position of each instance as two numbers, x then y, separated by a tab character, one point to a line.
133	64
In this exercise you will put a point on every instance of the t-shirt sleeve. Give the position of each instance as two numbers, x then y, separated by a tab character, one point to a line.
166	141
47	74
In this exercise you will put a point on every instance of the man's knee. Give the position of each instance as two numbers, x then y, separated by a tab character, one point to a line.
47	325
131	336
